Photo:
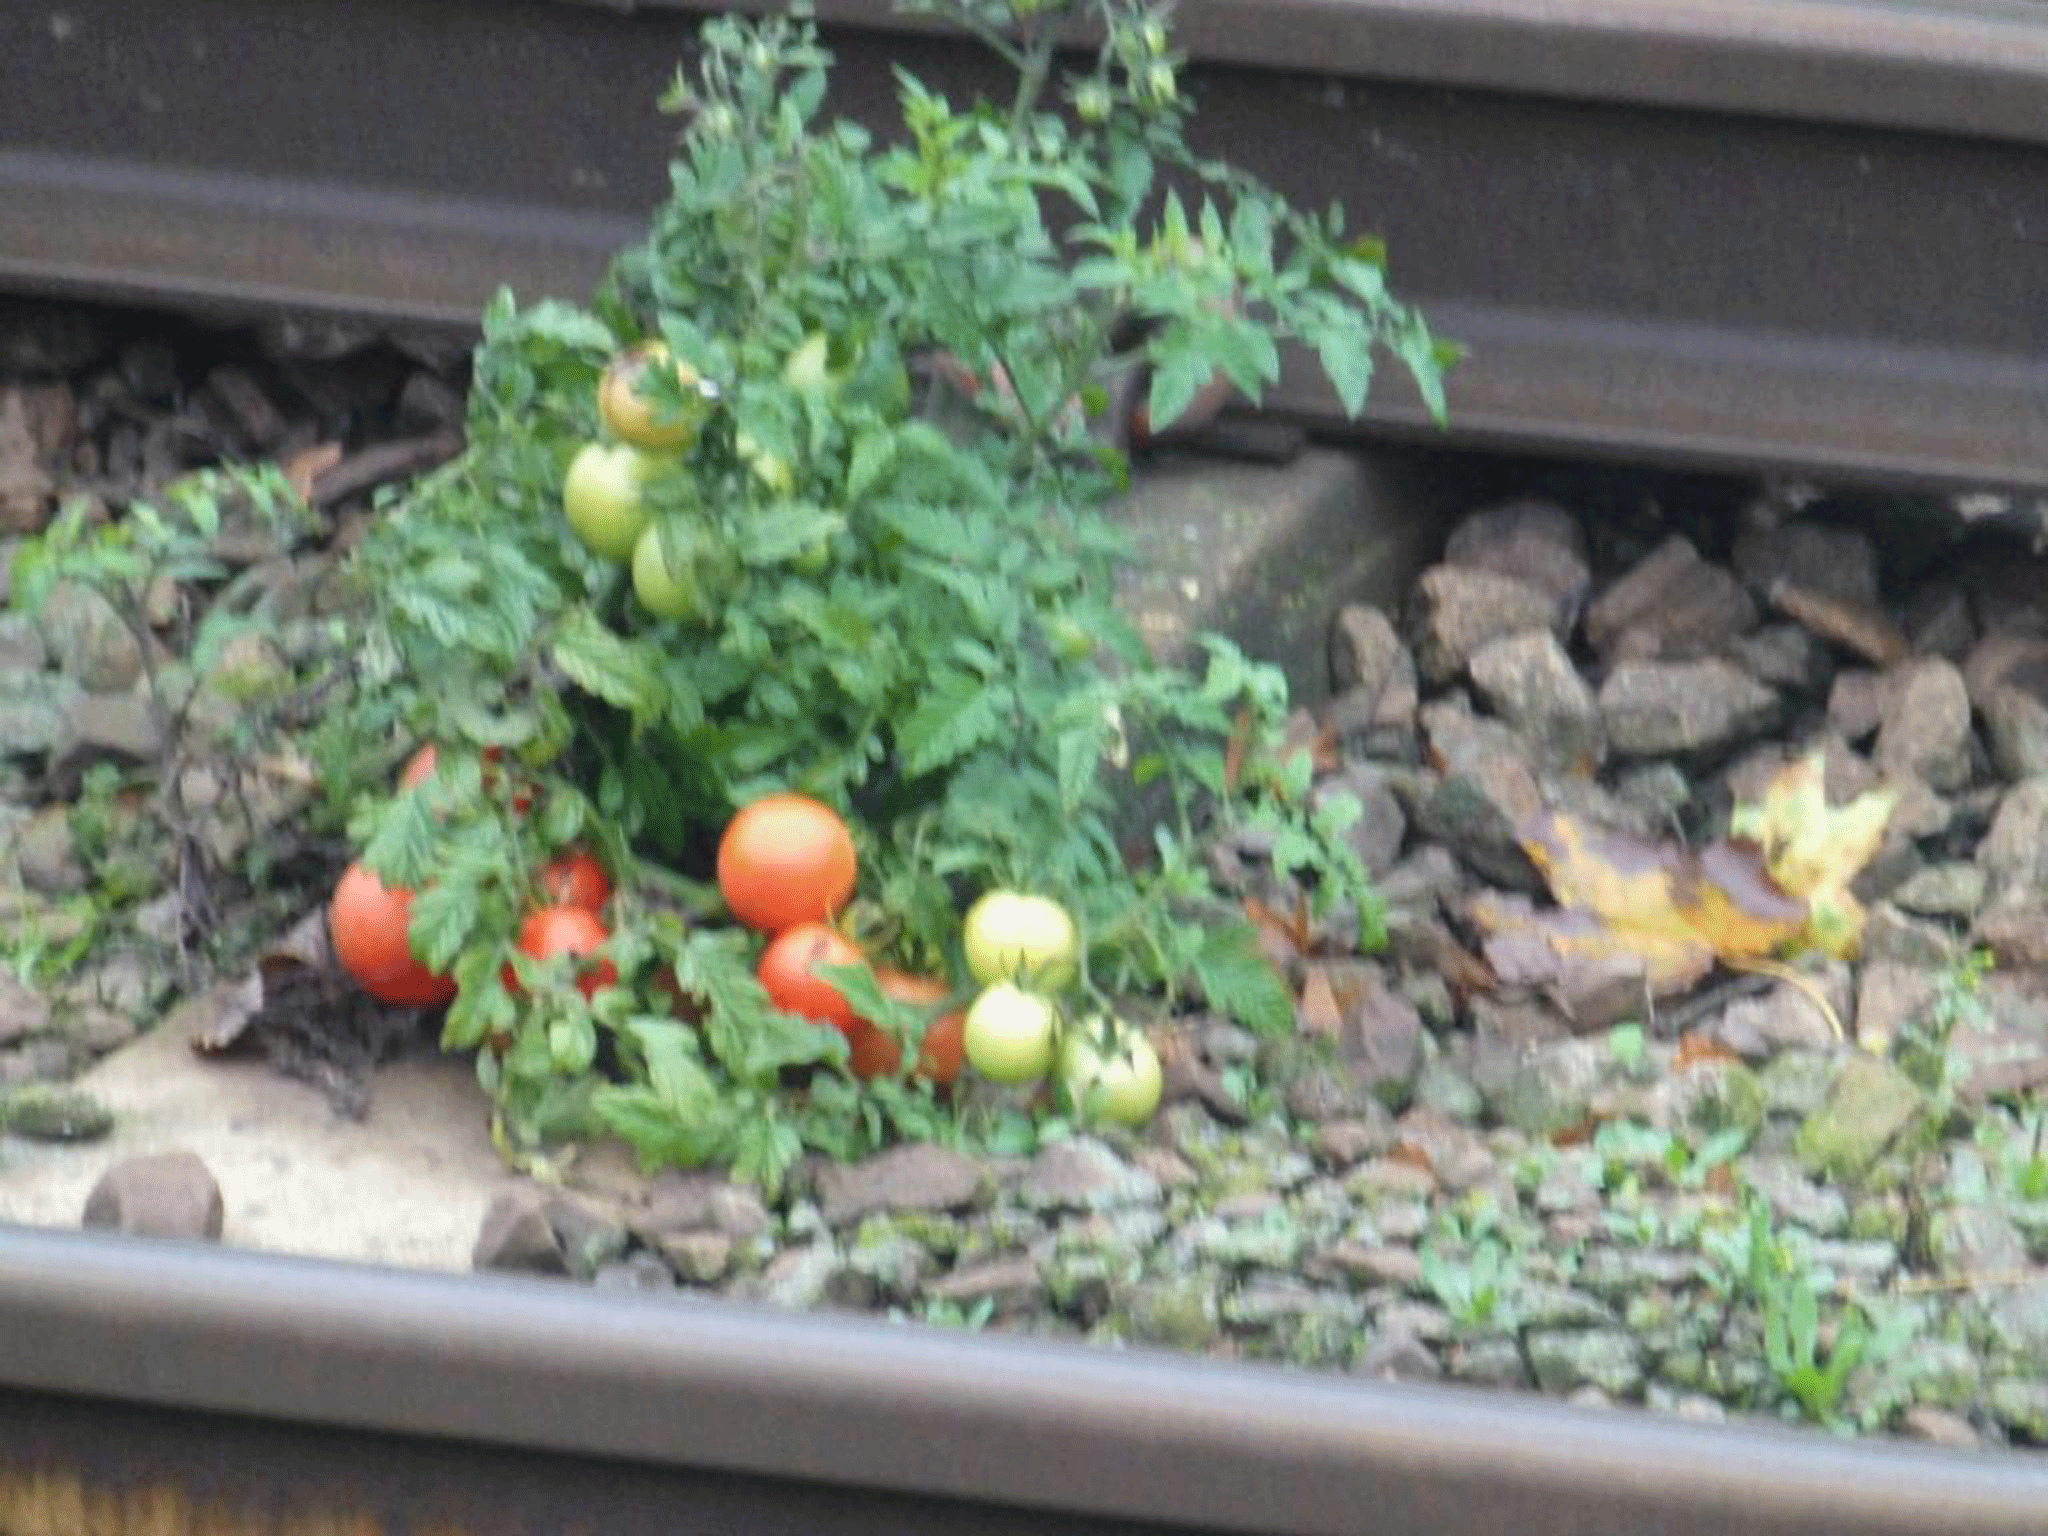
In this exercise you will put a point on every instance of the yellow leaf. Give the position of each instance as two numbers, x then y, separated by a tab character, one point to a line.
1815	850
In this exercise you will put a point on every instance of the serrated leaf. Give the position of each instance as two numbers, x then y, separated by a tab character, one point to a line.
607	665
956	713
1238	980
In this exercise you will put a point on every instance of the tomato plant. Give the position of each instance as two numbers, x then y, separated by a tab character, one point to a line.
786	859
789	974
368	925
856	605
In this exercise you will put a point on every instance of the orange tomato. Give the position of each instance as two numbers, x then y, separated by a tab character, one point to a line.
367	922
560	930
875	1052
575	879
783	860
787	973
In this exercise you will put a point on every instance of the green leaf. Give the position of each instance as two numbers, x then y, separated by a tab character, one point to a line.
605	664
956	713
1240	982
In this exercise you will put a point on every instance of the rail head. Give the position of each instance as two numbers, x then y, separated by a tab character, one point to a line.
700	1384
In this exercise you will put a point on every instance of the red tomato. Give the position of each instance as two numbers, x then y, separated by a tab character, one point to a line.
420	767
875	1052
575	879
560	930
786	972
367	922
785	859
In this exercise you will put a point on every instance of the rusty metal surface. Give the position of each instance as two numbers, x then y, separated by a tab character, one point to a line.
203	1380
1799	233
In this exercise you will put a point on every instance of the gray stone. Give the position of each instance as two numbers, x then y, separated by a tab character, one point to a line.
643	1273
1856	702
1889	996
46	854
590	1236
1175	1311
1394	1354
1369	1263
1266	553
1762	1026
684	1200
1951	890
2014	852
1797	1081
23	1010
21	644
1530	682
1485	791
1974	1241
1786	656
1890	935
918	1176
1567	1358
88	640
1010	1284
2006	674
165	1194
1837	563
1670	605
123	726
798	1279
1346	1143
2016	932
1870	1106
1655	708
697	1257
1084	1174
1553	1086
1381	827
1534	541
41	1111
1925	733
1939	621
1460	608
32	712
1796	1199
516	1235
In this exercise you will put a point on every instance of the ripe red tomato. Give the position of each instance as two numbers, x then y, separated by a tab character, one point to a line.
560	930
786	973
875	1052
785	859
575	879
420	767
367	923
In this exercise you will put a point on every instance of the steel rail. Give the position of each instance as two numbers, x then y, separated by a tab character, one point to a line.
1806	234
141	1377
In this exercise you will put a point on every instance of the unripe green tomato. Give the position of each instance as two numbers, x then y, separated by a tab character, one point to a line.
1092	102
1010	1034
1014	936
808	368
1160	86
670	590
771	469
1119	1084
603	497
1067	638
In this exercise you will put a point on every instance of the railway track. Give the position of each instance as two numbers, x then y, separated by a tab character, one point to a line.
1810	234
1787	233
169	1389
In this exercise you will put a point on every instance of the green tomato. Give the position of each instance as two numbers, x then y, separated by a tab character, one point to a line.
771	469
1010	1033
808	368
1012	936
670	590
1119	1084
602	496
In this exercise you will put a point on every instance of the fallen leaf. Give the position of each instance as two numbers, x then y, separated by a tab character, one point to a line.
309	464
1695	1049
1815	850
1319	1012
